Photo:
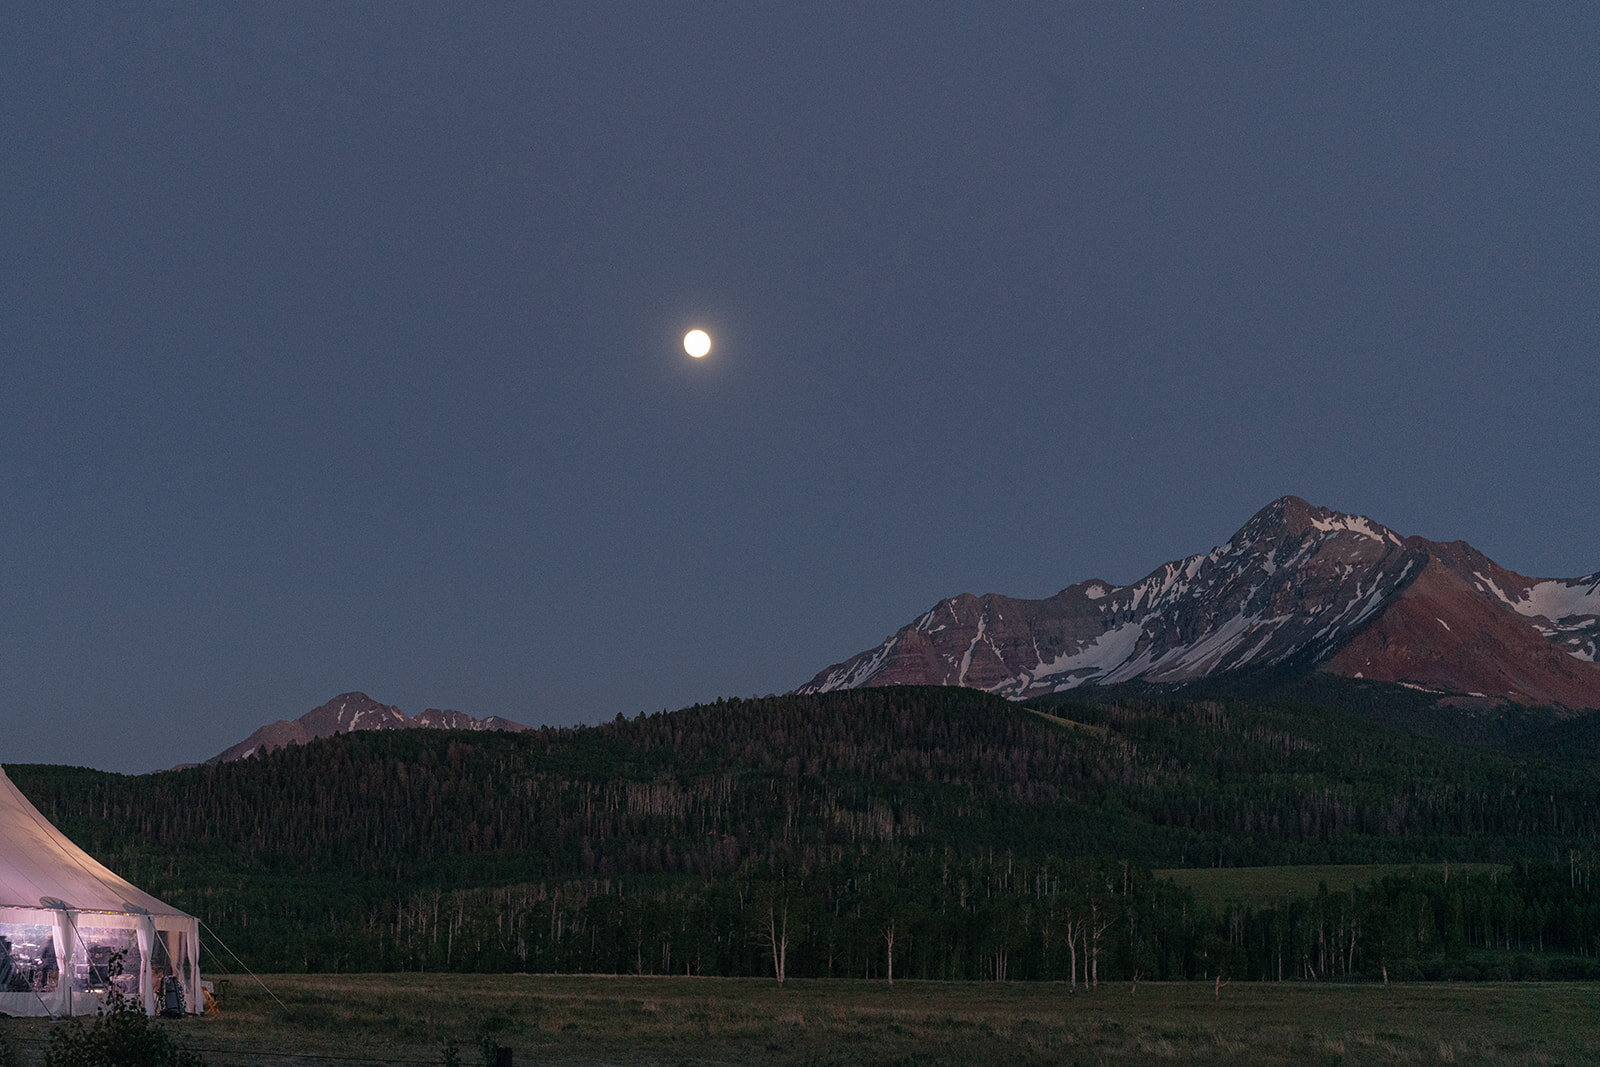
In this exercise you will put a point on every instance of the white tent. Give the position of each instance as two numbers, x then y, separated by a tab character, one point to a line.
63	916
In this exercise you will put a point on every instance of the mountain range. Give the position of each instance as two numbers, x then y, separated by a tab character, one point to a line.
1299	588
350	712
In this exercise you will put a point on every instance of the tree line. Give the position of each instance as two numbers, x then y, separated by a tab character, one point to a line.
938	832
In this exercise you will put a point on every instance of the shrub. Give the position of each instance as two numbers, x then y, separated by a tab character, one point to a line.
120	1036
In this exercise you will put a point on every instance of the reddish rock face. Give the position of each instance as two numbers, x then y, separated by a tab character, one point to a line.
1297	583
1445	632
350	712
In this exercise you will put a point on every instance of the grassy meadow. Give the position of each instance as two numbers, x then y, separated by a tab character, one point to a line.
1217	886
352	1019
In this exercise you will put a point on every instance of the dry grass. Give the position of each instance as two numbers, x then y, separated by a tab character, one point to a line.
590	1020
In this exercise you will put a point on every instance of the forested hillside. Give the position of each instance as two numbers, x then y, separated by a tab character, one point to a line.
950	831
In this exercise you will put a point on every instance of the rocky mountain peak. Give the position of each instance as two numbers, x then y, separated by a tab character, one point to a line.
349	712
1298	583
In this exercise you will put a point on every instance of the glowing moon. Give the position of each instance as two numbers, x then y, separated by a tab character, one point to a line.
697	343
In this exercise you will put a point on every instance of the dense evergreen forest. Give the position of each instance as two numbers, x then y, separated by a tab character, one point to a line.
937	832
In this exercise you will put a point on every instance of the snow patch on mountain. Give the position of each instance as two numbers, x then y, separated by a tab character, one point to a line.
1557	600
1356	524
1099	656
860	673
966	660
1562	609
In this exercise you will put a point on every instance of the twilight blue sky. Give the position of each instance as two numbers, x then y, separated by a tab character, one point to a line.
339	343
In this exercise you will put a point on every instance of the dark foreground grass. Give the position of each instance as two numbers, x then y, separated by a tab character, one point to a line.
332	1019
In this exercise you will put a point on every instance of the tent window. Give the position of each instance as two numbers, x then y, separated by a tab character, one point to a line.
27	958
95	962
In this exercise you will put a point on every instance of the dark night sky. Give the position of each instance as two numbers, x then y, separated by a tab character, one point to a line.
342	341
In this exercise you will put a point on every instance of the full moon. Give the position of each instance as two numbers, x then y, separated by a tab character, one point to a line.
697	343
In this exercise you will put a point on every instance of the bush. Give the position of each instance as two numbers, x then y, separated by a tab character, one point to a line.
118	1038
121	1036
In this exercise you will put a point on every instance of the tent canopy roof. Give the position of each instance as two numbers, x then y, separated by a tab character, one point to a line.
41	868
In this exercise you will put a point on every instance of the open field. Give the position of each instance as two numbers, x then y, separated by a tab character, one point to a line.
356	1019
1263	885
